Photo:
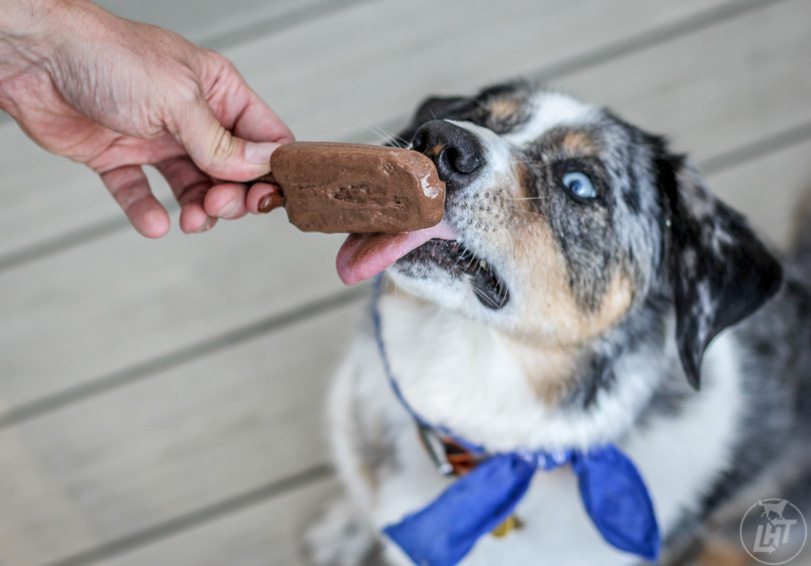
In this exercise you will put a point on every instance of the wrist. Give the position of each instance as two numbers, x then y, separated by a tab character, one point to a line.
32	34
24	35
24	29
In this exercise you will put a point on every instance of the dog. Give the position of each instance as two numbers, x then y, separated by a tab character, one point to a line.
773	510
584	289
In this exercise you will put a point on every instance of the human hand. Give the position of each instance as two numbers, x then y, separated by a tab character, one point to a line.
117	95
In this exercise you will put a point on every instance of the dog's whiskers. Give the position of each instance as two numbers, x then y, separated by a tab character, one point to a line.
387	137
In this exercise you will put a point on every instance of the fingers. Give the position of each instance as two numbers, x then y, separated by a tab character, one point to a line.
231	201
215	150
263	197
189	186
130	188
226	201
256	122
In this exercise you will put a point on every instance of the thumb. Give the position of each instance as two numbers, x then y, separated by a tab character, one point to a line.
218	152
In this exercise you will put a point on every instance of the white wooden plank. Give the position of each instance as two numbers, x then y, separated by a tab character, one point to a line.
84	315
716	90
413	50
161	448
270	533
347	72
203	20
176	292
767	190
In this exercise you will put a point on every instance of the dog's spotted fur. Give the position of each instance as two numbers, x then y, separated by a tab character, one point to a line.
609	307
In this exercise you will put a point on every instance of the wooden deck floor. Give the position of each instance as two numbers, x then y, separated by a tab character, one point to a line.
160	402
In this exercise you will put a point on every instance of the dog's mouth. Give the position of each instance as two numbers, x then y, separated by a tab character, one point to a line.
453	257
365	255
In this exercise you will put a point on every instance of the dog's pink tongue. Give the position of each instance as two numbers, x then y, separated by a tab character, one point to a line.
365	255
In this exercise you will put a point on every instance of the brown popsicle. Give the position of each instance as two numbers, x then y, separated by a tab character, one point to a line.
341	187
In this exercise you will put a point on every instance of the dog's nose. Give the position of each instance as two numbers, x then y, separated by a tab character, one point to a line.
457	153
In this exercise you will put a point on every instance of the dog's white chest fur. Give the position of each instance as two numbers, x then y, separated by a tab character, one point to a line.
460	374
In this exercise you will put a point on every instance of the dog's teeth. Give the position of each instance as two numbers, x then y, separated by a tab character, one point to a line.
483	265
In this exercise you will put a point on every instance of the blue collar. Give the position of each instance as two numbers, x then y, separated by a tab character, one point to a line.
444	532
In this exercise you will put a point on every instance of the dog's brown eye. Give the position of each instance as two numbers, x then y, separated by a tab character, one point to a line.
580	185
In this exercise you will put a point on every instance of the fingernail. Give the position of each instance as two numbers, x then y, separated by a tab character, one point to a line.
269	202
210	222
259	153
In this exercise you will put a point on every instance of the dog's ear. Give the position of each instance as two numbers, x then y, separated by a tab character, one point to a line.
719	271
435	108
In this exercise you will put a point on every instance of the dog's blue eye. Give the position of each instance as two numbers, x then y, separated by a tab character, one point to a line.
580	185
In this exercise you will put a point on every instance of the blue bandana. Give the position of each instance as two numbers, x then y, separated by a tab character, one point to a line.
444	532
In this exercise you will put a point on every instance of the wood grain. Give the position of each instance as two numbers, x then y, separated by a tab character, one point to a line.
185	439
